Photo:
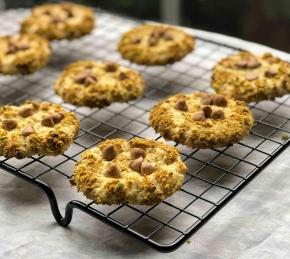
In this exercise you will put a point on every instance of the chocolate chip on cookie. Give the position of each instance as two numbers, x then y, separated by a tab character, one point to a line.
219	100
207	99
9	124
113	171
123	76
47	121
253	63
250	76
109	152
218	114
85	77
137	152
136	41
57	117
111	67
207	111
81	77
167	36
241	64
136	164
271	72
147	168
27	131
152	41
26	111
198	116
249	63
181	105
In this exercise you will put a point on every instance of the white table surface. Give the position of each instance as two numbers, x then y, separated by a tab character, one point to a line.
255	224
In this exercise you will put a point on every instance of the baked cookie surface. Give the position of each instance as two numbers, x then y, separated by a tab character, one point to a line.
136	171
59	21
155	44
36	128
252	78
98	84
201	120
23	54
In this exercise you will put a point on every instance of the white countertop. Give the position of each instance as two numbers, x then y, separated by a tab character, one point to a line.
255	224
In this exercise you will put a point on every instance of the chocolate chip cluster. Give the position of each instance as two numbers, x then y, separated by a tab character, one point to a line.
86	77
57	19
138	163
252	63
206	111
159	34
27	111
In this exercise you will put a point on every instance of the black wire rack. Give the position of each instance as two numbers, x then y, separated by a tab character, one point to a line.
214	175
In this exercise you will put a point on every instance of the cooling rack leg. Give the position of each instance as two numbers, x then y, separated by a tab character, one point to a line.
63	221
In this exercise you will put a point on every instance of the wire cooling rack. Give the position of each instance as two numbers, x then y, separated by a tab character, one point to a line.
214	175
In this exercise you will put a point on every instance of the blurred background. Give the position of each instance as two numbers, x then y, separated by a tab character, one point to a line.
263	21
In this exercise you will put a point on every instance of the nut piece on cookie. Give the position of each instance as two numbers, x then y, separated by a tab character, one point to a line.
39	128
57	21
100	85
211	121
151	44
139	181
251	78
23	54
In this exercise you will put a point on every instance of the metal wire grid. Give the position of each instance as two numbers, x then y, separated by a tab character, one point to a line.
213	177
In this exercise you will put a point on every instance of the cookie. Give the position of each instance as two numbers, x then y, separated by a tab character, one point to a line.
23	54
202	120
155	44
59	21
252	78
136	171
36	128
98	84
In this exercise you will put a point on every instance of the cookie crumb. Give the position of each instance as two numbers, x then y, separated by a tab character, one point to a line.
285	136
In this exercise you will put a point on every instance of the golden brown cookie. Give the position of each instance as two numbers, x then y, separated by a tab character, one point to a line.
252	78
155	44
136	171
59	21
36	128
202	120
98	84
23	54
